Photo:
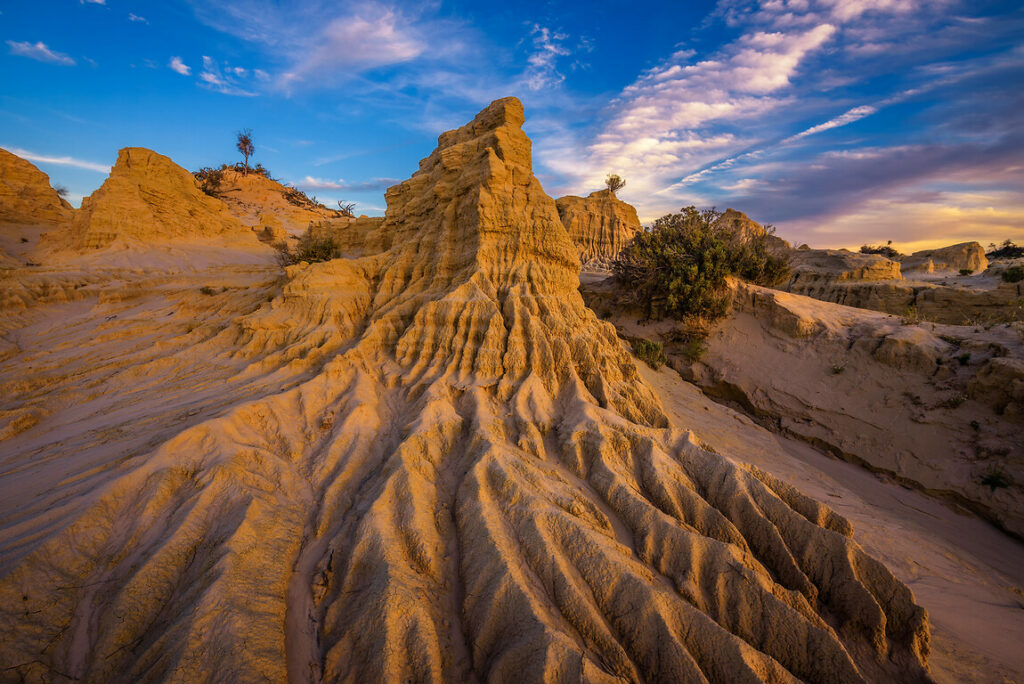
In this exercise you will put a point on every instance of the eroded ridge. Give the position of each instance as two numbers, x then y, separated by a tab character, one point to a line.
475	484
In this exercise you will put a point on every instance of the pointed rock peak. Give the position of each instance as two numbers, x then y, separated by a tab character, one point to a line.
506	112
26	196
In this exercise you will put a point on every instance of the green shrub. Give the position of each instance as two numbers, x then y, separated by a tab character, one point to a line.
310	247
884	250
678	267
995	478
1014	274
210	179
652	353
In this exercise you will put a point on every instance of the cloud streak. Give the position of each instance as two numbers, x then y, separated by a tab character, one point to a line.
62	161
311	183
39	52
176	64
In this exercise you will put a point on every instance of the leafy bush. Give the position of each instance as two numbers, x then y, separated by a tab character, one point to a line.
679	266
1014	274
652	353
885	250
310	247
210	179
1008	250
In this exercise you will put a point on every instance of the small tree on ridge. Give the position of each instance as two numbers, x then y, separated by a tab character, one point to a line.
615	182
246	146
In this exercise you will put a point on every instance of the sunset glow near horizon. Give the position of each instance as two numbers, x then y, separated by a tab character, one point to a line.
841	122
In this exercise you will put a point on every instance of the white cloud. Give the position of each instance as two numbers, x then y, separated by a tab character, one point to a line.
63	161
39	51
177	65
223	81
543	61
93	2
135	17
855	114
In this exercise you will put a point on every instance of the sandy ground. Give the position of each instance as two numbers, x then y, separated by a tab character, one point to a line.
967	574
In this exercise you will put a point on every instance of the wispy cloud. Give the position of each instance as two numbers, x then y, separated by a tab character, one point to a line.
40	52
548	47
855	114
176	64
226	81
135	17
63	161
311	183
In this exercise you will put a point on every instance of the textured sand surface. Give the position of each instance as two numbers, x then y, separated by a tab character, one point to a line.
432	463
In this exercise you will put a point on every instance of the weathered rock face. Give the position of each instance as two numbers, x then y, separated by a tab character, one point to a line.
147	197
358	237
600	224
745	228
473	484
968	256
26	196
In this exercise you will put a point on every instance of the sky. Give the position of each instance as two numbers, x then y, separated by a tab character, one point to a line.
840	122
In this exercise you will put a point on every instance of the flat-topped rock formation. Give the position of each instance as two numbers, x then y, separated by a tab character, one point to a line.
26	196
825	266
966	256
146	197
471	481
600	224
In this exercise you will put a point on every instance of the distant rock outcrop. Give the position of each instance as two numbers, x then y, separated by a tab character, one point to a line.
472	483
26	196
146	197
745	228
824	267
600	224
969	256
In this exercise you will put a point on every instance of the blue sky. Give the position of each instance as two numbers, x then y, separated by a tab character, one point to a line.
839	121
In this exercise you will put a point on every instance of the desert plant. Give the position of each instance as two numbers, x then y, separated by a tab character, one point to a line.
310	247
954	401
1007	250
964	358
995	478
245	145
651	353
1014	274
679	266
346	208
911	316
614	182
966	271
838	368
207	290
210	179
60	190
886	250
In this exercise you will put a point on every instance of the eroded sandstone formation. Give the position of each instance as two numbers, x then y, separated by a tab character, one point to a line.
146	197
26	196
966	256
473	484
600	224
257	200
745	228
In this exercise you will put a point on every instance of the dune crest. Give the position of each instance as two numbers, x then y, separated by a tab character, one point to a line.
474	483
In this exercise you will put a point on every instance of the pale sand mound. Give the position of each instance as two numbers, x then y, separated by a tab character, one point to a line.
26	196
476	484
260	201
146	198
600	225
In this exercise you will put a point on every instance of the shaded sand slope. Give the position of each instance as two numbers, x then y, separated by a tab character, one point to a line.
474	484
968	575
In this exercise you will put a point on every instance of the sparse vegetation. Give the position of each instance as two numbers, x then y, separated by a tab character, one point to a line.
651	353
954	401
995	478
210	179
966	271
678	267
245	145
1014	274
347	208
1007	250
614	182
310	247
886	250
61	191
300	199
207	290
911	316
838	368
